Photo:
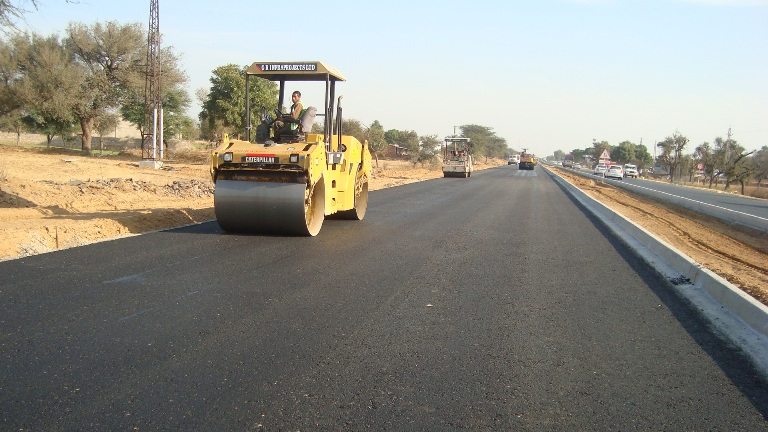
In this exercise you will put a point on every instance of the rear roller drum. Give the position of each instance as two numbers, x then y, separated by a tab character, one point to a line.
361	203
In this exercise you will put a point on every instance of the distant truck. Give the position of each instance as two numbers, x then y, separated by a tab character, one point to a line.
457	160
527	160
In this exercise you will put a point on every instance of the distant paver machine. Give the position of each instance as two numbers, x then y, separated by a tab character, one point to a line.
457	159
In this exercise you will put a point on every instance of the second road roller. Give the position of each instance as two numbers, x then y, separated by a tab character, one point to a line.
284	179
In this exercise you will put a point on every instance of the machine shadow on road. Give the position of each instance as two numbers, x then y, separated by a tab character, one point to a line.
730	360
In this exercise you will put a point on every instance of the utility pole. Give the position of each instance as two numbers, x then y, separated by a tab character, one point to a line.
153	109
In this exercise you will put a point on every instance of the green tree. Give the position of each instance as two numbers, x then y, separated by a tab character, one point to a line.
598	148
742	170
51	80
13	121
688	166
578	154
732	162
392	136
409	140
224	103
428	146
353	127
173	97
11	112
704	155
111	55
404	138
188	128
376	140
672	152
559	155
104	125
478	136
643	158
761	165
624	152
496	147
175	104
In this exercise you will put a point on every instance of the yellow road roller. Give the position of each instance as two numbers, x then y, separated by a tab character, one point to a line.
284	179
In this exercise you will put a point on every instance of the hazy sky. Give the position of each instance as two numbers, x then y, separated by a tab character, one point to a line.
545	74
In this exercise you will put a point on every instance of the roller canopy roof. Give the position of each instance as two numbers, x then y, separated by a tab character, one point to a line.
294	71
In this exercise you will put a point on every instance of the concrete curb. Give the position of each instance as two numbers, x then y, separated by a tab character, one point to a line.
733	314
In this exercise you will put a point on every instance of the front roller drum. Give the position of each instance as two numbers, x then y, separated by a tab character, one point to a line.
269	207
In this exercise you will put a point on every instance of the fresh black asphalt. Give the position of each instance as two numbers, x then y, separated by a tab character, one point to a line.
488	303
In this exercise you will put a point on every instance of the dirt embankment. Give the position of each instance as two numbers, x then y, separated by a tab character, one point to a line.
739	258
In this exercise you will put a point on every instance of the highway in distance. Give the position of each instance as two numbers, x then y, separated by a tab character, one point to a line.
488	303
733	209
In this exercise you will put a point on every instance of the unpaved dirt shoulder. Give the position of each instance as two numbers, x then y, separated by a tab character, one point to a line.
717	249
54	199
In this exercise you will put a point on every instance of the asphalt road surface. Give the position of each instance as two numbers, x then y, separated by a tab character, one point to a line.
489	303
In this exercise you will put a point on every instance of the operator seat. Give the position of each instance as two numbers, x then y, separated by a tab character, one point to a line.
305	121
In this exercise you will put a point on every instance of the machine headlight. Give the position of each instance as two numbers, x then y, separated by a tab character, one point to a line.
294	158
228	157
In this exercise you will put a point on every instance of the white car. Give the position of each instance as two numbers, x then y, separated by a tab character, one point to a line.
600	169
614	171
630	171
514	160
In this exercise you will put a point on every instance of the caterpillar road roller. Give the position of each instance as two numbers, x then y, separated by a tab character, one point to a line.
284	179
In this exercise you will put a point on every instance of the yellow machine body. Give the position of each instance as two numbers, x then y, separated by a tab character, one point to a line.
311	165
527	160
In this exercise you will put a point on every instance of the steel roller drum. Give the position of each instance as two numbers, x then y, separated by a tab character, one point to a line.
261	207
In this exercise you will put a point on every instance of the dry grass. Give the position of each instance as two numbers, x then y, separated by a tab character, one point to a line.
191	156
756	192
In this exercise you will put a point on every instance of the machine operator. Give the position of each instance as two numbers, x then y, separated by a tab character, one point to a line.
296	109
